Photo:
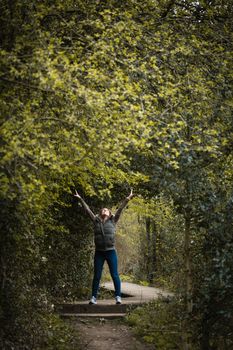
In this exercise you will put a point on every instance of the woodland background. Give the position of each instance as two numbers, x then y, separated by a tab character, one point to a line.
103	96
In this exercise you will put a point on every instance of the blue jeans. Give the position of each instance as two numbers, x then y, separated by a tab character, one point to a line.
111	257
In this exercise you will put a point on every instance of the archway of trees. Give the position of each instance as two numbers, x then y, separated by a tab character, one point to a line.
105	96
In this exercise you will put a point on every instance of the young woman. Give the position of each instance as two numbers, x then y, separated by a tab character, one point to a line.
104	233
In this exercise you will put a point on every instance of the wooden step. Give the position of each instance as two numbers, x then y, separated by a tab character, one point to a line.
101	316
76	308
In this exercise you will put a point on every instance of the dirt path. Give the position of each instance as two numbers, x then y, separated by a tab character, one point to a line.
100	334
138	294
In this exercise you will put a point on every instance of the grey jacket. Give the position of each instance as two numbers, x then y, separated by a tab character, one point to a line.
104	232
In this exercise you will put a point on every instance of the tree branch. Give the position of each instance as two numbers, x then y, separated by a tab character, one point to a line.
27	85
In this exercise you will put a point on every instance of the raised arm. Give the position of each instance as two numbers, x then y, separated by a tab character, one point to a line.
121	207
86	207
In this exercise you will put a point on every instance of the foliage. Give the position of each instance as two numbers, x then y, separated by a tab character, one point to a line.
135	251
102	96
127	244
67	254
191	136
214	297
35	324
159	323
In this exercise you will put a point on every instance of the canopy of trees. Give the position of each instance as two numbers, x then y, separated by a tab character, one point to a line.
102	96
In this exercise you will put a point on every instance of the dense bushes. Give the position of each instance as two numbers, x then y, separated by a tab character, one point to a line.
26	309
160	323
102	93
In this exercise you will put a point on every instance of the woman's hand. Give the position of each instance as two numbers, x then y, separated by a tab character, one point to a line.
77	195
130	196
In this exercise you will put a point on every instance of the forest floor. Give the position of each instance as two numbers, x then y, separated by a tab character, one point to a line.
115	334
104	334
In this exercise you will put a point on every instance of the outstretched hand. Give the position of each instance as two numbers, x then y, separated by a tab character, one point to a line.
130	196
77	194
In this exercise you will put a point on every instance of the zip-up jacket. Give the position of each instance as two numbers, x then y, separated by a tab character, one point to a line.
104	232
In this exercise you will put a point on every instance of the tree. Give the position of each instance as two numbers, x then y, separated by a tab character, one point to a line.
57	132
106	93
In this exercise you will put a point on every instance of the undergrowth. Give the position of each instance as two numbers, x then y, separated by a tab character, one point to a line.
160	323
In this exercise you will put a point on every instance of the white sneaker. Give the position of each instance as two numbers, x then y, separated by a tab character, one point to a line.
118	300
93	301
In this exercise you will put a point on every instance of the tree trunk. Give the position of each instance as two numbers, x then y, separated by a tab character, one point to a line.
148	245
188	282
205	338
151	251
188	272
154	249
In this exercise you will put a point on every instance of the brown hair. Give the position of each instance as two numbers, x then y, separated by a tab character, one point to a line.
100	212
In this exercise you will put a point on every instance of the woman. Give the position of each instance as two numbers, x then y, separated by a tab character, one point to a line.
104	231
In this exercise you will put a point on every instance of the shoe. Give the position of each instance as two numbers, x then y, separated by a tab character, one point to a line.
93	301
118	300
